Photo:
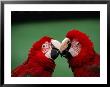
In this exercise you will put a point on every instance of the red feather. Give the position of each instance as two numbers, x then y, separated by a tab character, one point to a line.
87	62
37	64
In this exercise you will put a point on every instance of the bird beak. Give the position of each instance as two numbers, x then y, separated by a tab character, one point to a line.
55	49
56	44
64	44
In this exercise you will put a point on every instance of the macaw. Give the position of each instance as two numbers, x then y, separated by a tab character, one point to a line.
79	51
40	61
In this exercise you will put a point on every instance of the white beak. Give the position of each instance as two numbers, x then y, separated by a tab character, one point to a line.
64	44
56	43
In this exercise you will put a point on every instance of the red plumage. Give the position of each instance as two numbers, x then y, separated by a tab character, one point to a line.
87	62
37	64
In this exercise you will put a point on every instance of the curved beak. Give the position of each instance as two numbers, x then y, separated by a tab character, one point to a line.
64	44
55	49
56	44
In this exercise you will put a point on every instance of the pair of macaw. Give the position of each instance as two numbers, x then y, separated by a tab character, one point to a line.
77	48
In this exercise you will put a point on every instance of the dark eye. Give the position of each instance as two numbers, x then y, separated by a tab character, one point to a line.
78	43
43	46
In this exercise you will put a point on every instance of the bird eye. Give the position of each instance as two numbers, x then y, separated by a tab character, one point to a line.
43	45
77	43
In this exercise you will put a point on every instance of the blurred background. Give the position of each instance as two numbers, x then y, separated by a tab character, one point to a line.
29	26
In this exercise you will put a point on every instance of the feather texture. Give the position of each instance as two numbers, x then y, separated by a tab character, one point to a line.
87	62
37	64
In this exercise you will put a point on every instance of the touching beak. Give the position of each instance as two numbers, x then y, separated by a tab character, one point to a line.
56	44
64	44
55	49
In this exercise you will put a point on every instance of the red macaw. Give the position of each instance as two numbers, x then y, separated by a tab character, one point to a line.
40	61
80	53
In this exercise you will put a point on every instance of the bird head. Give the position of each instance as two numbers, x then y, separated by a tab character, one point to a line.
74	42
49	47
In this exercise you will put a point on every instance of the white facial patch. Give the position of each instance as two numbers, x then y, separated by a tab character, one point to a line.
75	48
46	47
48	54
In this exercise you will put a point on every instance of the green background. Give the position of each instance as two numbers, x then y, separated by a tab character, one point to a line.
24	34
